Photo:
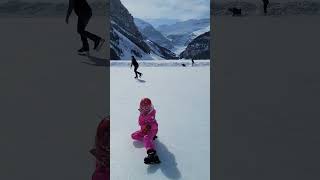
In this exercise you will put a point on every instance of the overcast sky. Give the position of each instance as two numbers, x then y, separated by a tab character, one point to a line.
172	9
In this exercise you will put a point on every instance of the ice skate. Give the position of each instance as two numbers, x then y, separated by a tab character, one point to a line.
152	157
83	51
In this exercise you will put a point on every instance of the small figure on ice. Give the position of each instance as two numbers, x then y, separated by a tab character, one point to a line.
135	63
84	13
192	61
265	6
148	130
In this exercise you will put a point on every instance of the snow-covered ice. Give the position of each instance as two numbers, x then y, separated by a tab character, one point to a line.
181	96
162	63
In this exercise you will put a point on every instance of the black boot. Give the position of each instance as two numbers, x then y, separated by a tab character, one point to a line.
83	51
152	157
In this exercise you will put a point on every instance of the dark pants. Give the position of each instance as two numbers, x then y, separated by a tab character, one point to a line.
135	70
265	6
83	21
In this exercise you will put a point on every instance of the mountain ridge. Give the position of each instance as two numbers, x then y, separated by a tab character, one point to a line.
152	34
126	40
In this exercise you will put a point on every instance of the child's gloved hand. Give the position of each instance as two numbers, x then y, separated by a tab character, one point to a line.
146	129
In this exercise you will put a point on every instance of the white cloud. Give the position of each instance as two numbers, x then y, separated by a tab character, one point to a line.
173	9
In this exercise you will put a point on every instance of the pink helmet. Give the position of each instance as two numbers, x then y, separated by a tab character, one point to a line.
145	105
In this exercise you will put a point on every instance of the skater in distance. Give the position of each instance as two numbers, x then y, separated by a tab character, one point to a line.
84	13
135	63
148	130
265	6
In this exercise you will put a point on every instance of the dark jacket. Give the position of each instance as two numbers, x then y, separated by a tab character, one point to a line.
81	7
134	62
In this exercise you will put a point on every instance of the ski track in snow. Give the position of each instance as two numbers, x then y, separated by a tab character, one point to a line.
181	96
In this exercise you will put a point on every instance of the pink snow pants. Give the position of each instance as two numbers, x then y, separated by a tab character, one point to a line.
101	173
147	139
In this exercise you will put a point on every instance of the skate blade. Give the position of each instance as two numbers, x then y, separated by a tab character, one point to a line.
100	45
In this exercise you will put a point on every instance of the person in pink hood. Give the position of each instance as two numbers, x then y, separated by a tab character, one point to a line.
148	130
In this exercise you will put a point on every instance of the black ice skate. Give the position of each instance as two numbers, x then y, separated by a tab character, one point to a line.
152	157
83	51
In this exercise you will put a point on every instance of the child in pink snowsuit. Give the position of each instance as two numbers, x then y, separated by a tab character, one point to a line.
148	125
101	151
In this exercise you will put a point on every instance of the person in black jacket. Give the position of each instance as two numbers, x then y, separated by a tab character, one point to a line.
84	13
265	6
136	66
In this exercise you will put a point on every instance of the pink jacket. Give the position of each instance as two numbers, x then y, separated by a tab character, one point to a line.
148	119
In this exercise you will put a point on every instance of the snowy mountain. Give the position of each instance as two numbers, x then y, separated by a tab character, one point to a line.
161	51
38	8
199	48
185	39
126	40
182	33
180	39
275	8
149	32
184	27
156	22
